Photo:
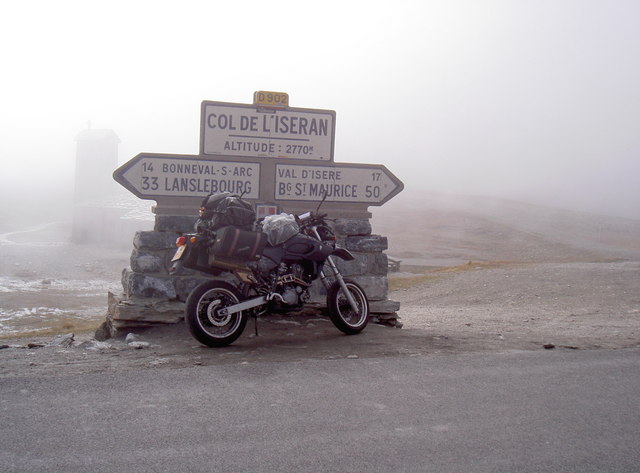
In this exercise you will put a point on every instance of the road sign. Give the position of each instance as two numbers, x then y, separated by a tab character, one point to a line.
236	138
152	176
243	130
364	183
265	99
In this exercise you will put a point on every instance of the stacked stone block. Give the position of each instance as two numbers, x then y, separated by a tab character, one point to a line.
369	268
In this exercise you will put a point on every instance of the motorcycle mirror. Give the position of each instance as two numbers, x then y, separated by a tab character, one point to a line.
324	197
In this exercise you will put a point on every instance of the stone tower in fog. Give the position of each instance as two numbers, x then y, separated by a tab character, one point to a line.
98	209
96	159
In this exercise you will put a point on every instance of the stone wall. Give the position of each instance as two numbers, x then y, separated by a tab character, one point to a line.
369	268
152	296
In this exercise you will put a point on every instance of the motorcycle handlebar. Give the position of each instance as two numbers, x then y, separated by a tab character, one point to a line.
311	218
305	216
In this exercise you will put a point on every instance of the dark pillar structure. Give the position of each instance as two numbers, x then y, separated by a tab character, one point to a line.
96	158
96	215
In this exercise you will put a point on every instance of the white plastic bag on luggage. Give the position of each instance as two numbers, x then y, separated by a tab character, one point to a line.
279	228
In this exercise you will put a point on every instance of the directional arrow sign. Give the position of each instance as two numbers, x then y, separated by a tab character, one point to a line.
364	183
153	176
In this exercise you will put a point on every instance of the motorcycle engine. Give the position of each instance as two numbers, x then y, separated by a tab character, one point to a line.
290	295
291	277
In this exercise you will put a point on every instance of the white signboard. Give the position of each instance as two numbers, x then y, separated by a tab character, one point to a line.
245	130
151	175
366	183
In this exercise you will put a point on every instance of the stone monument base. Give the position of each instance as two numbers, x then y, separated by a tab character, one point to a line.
152	297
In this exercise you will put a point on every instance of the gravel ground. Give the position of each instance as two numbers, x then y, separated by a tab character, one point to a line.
578	305
464	309
576	285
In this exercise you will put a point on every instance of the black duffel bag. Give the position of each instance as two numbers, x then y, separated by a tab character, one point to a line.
219	210
236	244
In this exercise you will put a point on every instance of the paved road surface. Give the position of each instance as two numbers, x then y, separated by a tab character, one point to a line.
555	411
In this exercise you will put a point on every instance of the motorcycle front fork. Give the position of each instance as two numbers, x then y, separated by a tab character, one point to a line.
340	279
337	275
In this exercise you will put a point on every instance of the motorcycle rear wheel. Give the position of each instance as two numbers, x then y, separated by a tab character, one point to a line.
203	317
340	311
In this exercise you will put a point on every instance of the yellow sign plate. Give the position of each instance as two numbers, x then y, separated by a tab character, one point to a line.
263	98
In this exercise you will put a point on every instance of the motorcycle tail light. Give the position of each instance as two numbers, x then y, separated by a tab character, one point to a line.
181	241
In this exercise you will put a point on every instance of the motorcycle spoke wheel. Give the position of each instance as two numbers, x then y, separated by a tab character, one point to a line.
204	319
343	316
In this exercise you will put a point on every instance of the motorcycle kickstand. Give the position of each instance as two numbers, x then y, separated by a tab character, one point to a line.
255	316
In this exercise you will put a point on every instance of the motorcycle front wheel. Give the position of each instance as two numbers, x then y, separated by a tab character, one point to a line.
203	317
342	314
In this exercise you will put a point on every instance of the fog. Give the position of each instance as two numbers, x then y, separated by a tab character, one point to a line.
530	100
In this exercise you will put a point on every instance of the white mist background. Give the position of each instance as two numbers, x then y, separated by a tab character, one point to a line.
531	100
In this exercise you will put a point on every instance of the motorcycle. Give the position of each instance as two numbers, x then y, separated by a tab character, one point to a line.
267	267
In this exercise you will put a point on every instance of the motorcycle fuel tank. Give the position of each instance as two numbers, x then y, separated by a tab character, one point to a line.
303	247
